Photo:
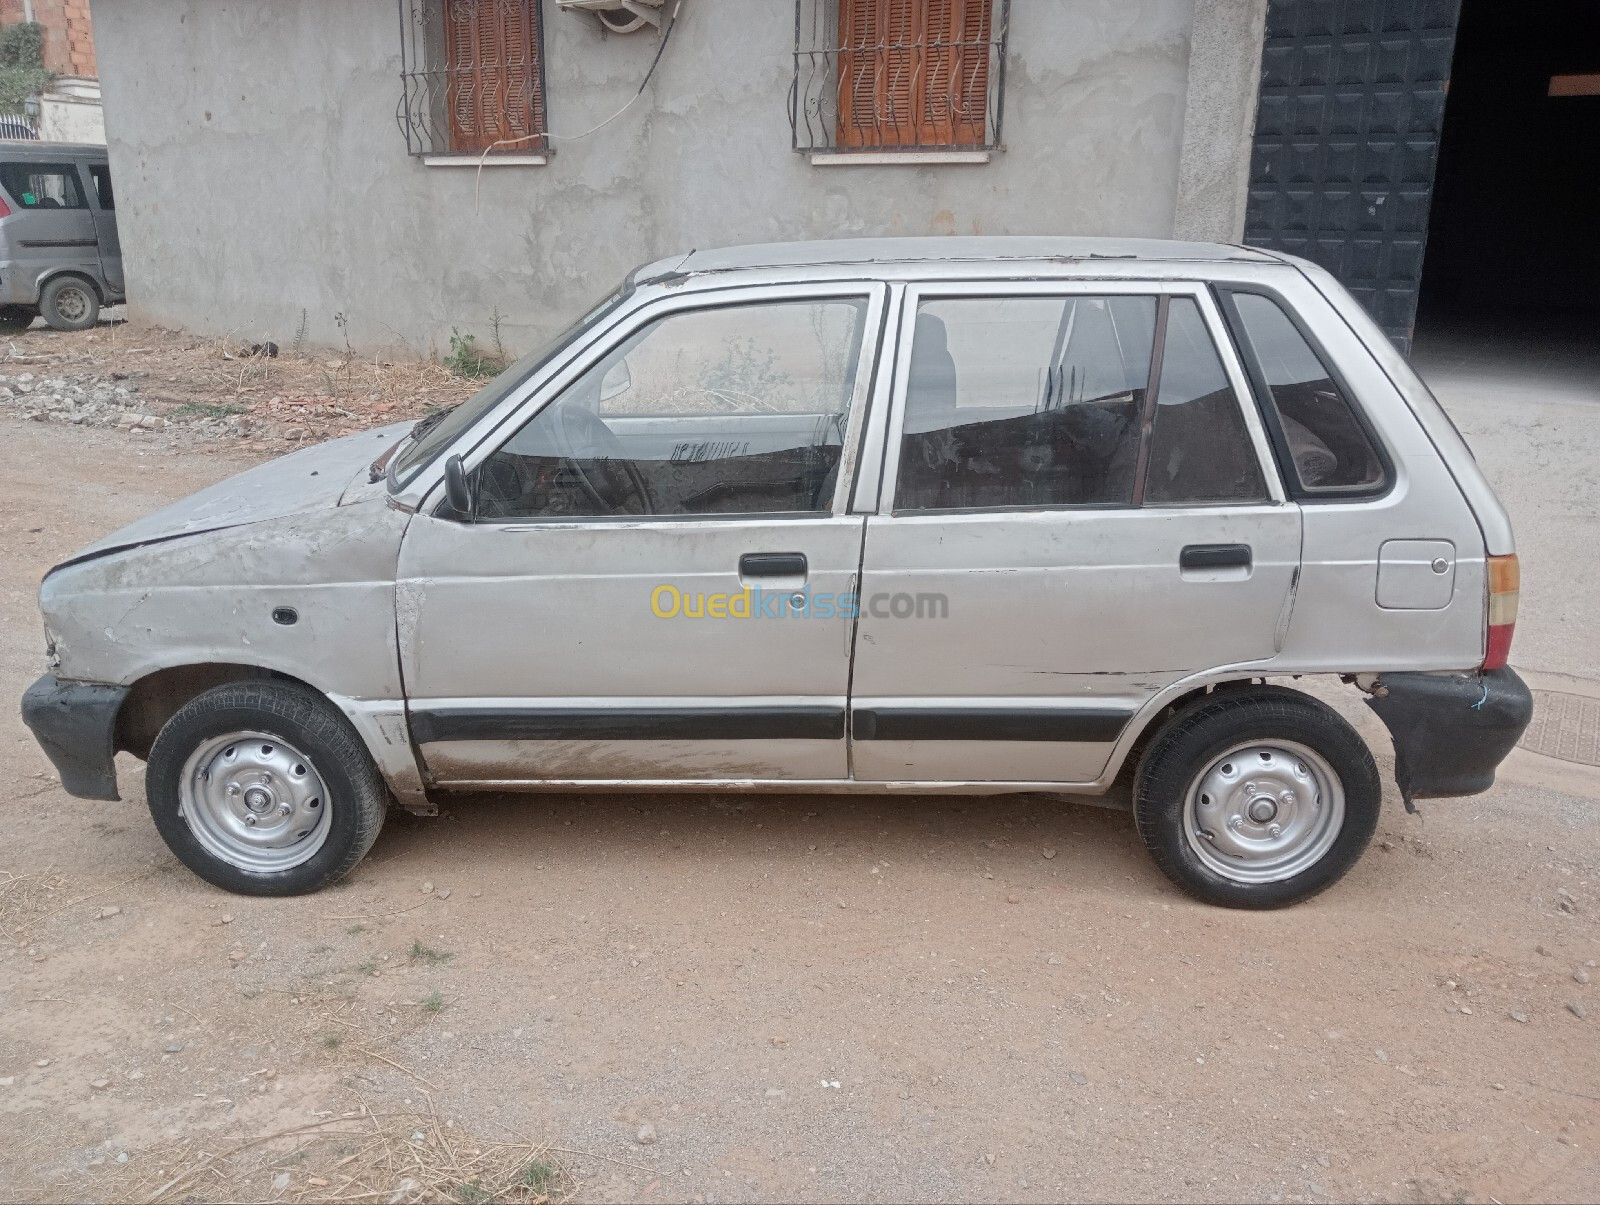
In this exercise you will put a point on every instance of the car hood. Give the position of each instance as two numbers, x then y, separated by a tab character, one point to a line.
310	479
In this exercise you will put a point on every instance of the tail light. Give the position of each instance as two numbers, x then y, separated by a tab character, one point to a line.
5	210
1505	579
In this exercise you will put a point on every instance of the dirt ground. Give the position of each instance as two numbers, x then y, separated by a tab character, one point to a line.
728	999
258	398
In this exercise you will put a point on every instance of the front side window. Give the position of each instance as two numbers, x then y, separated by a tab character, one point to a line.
1047	402
1328	449
43	185
436	433
731	410
473	77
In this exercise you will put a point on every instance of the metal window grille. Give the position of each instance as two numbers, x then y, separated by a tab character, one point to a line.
472	77
887	75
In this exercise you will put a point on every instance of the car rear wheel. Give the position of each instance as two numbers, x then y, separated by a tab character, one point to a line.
16	318
264	788
1257	798
69	303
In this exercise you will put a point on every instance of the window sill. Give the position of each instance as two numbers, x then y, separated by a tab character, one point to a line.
895	158
485	160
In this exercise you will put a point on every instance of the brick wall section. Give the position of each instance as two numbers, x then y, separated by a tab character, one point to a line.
68	33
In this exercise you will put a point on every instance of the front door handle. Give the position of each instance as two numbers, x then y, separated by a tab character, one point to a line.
1214	556
773	564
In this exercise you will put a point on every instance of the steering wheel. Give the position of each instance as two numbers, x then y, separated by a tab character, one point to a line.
595	456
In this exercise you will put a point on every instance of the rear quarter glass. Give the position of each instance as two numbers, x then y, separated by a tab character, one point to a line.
1324	442
1458	459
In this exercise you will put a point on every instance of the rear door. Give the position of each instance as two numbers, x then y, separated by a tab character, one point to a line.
1078	510
51	225
103	205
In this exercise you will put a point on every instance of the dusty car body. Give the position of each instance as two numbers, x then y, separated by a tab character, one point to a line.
965	515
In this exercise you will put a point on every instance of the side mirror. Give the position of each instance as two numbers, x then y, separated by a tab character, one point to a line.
456	491
617	380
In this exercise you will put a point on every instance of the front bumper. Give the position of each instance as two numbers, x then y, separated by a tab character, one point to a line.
75	724
1451	731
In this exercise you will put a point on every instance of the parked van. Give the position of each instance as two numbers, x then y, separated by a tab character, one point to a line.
59	252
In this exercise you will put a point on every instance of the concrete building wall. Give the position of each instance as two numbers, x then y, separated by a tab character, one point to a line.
260	172
1219	119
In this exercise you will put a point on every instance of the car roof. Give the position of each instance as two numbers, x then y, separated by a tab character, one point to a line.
28	148
855	252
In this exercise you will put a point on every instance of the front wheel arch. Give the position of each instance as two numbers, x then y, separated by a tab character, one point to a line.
245	772
157	696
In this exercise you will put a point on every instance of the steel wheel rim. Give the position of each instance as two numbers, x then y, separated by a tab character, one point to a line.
1263	811
72	304
254	801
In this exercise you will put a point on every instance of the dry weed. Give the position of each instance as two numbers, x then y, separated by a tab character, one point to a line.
396	1156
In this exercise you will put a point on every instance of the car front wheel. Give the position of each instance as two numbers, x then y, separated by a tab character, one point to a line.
1257	798
264	788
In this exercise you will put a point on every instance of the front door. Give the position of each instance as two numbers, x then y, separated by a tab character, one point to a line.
1077	513
655	586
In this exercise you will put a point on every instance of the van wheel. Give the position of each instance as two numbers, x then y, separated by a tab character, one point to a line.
1257	798
264	788
16	318
69	303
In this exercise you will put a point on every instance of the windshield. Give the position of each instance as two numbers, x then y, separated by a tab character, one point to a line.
438	431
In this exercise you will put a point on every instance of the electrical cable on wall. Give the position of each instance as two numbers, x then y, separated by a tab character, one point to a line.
666	36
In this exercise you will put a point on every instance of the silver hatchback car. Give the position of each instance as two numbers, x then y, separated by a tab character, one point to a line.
957	515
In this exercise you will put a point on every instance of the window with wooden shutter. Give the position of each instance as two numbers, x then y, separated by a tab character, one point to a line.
474	77
910	74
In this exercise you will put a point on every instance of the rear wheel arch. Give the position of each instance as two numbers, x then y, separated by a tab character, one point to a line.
1149	724
71	300
1327	819
78	274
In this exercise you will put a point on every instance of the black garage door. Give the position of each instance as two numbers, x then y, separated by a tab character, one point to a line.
1347	134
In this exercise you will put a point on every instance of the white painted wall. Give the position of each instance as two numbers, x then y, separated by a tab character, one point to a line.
71	112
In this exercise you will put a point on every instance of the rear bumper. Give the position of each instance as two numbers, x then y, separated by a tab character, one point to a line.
75	724
1451	731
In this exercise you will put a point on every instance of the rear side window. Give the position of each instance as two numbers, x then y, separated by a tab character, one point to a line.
100	173
1045	401
1025	401
43	185
1328	449
1200	450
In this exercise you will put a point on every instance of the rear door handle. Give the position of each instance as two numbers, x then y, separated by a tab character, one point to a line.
773	564
1214	556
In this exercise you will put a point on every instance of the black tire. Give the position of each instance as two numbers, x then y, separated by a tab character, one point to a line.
1193	740
356	795
14	319
69	303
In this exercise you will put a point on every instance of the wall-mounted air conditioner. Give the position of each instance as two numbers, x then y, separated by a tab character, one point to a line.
619	16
